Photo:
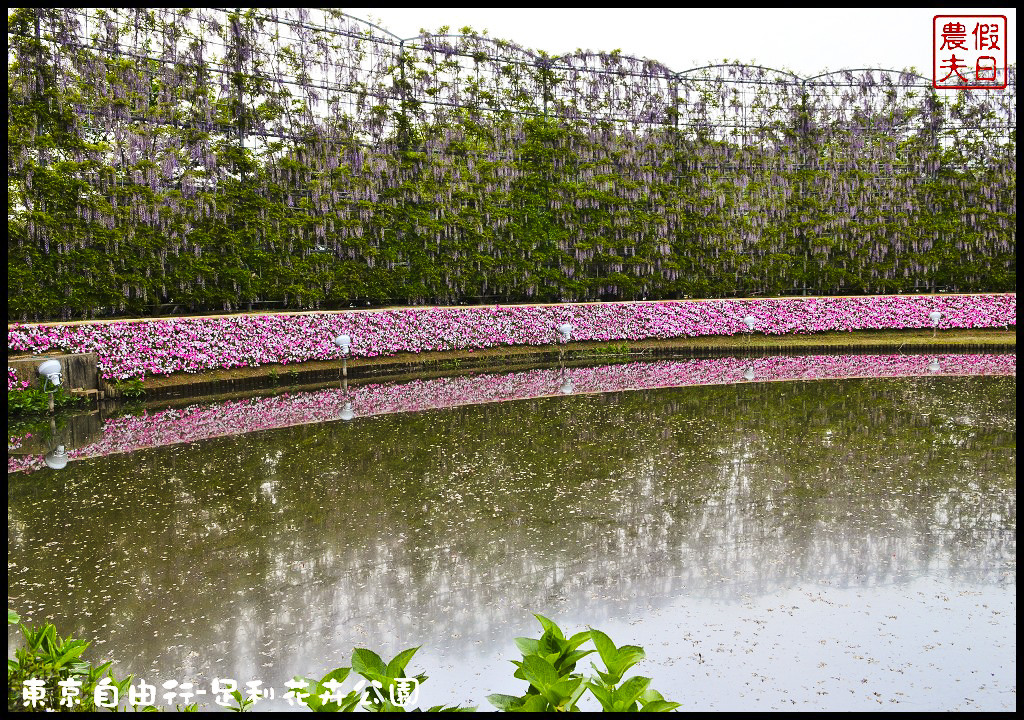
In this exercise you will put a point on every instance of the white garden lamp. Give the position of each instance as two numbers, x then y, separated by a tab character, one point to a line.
566	387
344	342
751	322
50	371
933	365
51	374
565	332
934	316
748	374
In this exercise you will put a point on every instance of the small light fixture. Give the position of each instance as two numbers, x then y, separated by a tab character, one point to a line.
49	370
935	316
750	321
345	343
565	329
933	365
748	374
51	374
566	387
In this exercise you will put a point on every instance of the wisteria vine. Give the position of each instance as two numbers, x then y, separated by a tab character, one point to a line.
204	159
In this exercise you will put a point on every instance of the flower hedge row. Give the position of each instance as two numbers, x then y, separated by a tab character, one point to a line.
139	348
201	421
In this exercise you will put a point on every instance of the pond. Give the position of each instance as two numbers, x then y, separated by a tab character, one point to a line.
817	544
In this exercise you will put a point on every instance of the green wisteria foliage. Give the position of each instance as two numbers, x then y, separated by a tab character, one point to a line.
208	160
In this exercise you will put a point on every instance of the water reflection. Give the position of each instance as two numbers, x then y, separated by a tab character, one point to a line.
273	553
206	420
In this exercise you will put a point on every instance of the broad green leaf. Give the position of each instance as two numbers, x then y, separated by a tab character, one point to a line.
366	661
550	644
626	657
660	706
12	618
650	695
605	648
570	660
385	680
562	692
240	704
337	674
70	654
578	639
39	640
539	672
605	677
349	703
603	696
504	702
527	646
314	701
396	667
533	703
630	691
574	698
549	626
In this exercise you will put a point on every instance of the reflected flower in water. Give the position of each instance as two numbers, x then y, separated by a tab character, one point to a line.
233	417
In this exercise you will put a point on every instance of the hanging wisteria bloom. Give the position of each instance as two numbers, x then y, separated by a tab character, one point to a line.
457	162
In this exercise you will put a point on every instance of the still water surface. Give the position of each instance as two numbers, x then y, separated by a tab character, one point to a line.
831	544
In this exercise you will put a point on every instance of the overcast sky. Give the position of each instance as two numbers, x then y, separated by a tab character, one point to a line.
806	42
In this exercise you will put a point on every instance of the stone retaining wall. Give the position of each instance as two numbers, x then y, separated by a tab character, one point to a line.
80	370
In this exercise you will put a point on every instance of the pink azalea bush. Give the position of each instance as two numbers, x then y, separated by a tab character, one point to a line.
202	421
13	383
138	348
